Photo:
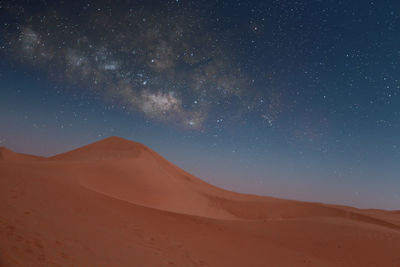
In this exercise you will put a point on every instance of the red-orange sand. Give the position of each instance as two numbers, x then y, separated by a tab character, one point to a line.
118	203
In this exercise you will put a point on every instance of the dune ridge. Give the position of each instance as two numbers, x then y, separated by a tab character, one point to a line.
116	202
110	148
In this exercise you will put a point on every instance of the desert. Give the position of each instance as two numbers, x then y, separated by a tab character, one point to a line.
116	202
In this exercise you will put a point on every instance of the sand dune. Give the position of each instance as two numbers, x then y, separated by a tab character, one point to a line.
118	203
7	154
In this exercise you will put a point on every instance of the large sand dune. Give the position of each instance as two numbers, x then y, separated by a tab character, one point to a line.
118	203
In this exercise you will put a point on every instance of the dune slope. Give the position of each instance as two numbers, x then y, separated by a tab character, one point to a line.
118	203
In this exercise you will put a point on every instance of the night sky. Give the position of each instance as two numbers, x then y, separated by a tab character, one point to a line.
293	99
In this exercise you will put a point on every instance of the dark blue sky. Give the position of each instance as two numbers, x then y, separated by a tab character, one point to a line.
296	99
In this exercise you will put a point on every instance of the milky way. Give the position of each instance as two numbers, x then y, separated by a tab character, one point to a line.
168	63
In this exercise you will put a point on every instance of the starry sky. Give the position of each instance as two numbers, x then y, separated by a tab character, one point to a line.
293	99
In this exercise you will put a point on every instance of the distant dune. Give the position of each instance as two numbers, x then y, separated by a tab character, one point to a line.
6	154
118	203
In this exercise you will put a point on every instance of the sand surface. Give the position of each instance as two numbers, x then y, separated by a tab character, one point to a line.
118	203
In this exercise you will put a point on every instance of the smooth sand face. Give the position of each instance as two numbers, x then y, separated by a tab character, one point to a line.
118	203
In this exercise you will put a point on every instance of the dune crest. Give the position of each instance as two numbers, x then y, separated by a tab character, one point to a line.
109	148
